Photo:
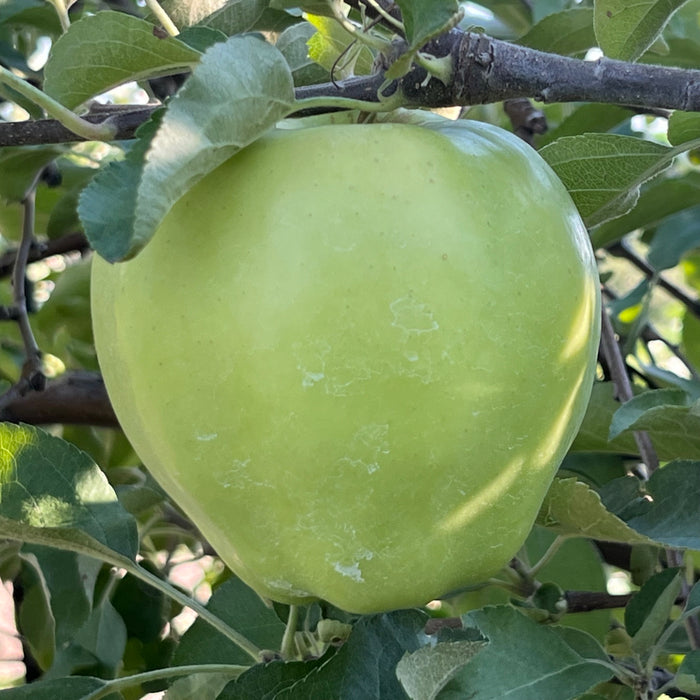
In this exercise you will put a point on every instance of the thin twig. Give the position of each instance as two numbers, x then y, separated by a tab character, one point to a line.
32	373
623	250
69	243
623	387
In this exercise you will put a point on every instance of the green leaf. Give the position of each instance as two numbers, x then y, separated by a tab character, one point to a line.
330	42
647	613
240	607
671	516
293	43
658	200
589	118
527	661
693	600
683	126
236	16
424	19
51	493
628	413
70	580
424	673
241	88
603	172
567	33
688	675
76	688
572	508
677	235
666	413
19	168
364	667
114	48
625	30
202	686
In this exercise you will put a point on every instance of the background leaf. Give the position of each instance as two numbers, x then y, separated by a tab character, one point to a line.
626	30
114	48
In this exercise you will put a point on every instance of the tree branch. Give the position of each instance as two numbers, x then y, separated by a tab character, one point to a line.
76	398
484	70
40	251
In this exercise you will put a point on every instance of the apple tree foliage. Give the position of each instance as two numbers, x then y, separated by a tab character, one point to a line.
103	576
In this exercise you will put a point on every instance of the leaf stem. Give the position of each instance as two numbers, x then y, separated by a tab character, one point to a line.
388	104
163	17
119	684
62	12
104	131
547	556
288	648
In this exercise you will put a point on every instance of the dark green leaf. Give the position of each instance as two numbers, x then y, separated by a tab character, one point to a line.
51	493
59	689
688	674
527	661
19	168
677	235
101	41
673	512
424	19
628	413
646	615
567	33
589	118
240	607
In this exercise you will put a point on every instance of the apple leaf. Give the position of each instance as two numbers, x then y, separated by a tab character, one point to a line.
647	613
19	167
424	19
524	660
329	42
574	509
425	672
628	413
114	48
603	172
53	494
657	201
677	235
203	686
664	412
243	610
688	675
626	30
672	514
364	667
70	688
683	127
591	117
693	601
241	88
294	45
567	33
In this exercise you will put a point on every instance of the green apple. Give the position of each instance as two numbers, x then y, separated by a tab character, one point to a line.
356	354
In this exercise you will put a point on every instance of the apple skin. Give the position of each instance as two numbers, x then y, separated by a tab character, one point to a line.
355	356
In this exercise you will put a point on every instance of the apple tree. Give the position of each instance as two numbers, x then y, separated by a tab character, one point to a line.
116	115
